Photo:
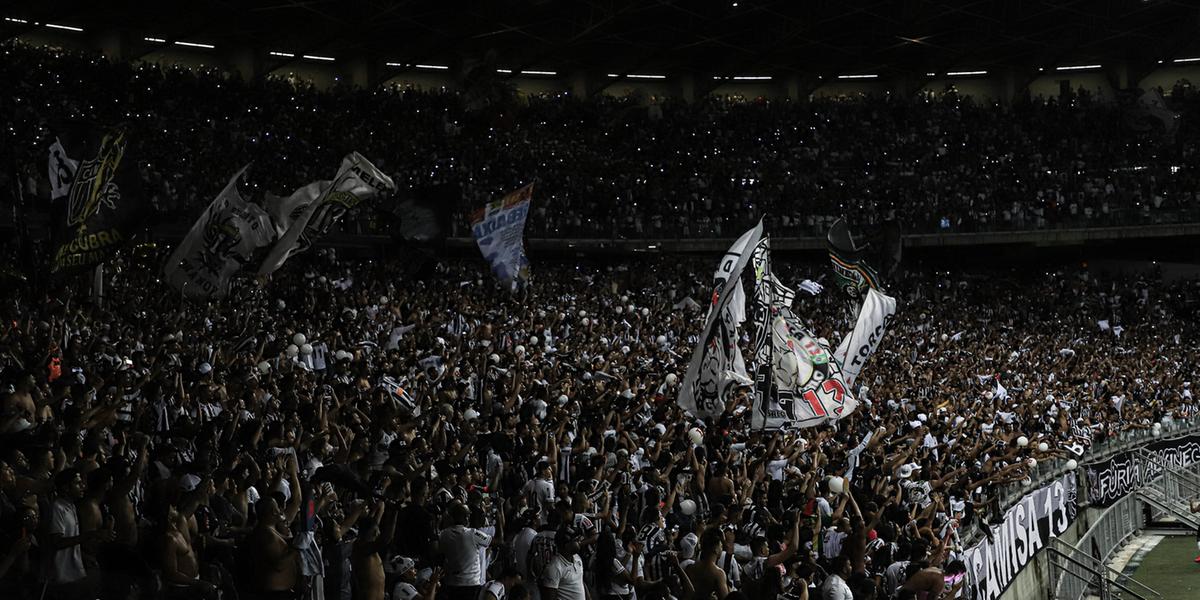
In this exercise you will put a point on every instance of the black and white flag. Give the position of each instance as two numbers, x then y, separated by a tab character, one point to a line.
61	170
221	242
309	212
717	368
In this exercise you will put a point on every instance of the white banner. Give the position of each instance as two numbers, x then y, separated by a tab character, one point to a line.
304	216
1028	526
873	318
716	367
499	230
61	170
221	241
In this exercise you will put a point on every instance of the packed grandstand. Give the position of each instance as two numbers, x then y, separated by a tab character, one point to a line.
343	426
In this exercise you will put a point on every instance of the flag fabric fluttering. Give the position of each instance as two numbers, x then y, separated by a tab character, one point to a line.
220	243
716	368
61	170
309	212
104	203
499	230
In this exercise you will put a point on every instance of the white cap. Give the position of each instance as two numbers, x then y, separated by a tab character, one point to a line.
205	368
906	471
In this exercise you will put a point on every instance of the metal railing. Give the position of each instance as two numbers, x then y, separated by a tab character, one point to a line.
1074	574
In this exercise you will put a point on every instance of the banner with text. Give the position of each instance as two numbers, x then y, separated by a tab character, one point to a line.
499	230
1109	480
1028	526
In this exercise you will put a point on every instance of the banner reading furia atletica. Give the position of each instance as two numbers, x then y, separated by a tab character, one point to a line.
1109	480
1028	526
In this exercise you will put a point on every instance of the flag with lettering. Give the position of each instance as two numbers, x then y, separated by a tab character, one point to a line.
716	369
310	212
499	230
105	203
219	244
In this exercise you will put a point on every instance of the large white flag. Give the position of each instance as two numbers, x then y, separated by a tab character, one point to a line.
873	318
717	368
811	388
61	170
223	240
311	210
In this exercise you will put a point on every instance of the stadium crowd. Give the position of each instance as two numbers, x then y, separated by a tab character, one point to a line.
350	430
620	167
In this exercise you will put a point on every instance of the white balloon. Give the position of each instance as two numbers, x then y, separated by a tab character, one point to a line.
281	304
1072	464
533	340
470	414
672	378
695	436
620	310
494	357
630	308
306	349
624	349
837	485
292	350
624	298
520	350
1022	441
1043	446
383	299
687	507
661	340
1032	462
322	279
562	399
263	367
645	312
299	339
585	322
583	313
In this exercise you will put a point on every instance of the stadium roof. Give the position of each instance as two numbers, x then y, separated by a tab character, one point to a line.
743	37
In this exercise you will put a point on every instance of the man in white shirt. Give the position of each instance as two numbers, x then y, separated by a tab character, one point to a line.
562	578
497	589
835	587
67	573
540	490
460	545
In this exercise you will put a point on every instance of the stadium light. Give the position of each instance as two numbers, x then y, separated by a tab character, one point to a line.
637	76
506	71
1077	67
318	57
867	76
66	27
1185	60
964	73
282	54
155	40
931	74
195	45
16	20
433	67
535	72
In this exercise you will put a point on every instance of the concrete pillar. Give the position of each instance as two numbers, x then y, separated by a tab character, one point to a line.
246	61
1120	74
792	88
579	83
112	44
687	87
361	71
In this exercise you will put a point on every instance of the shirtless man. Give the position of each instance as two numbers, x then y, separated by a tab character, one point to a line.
119	503
276	562
181	569
707	578
375	536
